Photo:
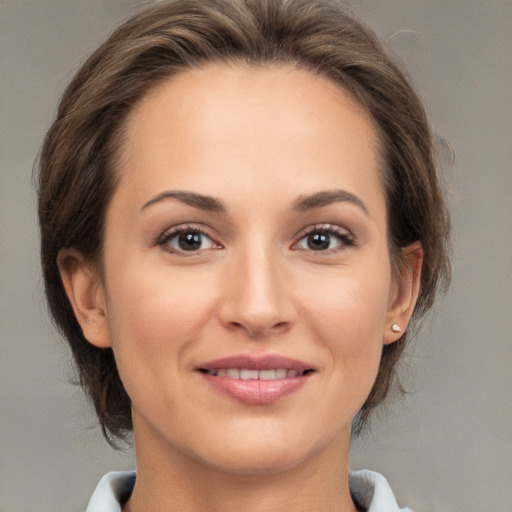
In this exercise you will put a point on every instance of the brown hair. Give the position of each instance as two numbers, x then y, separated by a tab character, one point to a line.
77	160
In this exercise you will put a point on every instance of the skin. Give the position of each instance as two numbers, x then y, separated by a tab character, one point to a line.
258	140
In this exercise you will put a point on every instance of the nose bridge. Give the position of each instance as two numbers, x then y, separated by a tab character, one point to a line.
256	297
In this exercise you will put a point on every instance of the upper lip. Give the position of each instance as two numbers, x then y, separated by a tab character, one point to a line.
251	362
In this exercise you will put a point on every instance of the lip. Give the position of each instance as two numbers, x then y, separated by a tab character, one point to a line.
266	362
256	392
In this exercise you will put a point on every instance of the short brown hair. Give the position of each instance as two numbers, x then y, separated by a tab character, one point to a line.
77	162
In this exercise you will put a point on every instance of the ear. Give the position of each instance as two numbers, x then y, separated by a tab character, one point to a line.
86	293
404	292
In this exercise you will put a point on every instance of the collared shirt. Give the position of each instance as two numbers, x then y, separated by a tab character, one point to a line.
369	490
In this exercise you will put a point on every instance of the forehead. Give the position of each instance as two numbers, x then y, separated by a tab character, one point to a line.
212	127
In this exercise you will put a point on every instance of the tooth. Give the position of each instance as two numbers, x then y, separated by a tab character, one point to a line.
222	373
267	374
292	373
249	374
212	372
281	373
233	373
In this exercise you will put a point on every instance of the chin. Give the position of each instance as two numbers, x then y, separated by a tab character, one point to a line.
260	453
256	462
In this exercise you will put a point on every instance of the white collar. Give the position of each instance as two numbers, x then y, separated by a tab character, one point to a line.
370	490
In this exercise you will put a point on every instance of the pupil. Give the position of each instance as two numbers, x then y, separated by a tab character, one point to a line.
190	241
319	241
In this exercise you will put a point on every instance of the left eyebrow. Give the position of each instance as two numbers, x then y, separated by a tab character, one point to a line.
191	198
319	199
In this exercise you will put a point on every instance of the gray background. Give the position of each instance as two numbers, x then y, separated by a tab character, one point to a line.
448	445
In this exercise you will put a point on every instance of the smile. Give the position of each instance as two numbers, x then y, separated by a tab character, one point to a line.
256	380
249	374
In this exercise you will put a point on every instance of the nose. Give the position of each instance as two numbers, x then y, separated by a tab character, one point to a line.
257	296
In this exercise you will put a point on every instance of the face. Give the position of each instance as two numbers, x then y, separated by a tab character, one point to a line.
247	287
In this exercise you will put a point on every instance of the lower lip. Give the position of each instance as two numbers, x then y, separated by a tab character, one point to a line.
256	392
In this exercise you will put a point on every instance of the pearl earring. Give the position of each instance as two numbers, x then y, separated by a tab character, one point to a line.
396	328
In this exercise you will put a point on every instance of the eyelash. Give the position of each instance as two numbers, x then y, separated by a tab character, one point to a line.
186	229
345	238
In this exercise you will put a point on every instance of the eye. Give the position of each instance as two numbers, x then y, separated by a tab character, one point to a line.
324	238
187	239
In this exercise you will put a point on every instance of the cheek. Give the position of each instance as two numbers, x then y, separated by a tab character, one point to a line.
349	320
154	316
155	320
350	300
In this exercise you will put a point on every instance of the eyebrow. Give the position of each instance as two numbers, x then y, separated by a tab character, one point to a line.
191	198
302	203
319	199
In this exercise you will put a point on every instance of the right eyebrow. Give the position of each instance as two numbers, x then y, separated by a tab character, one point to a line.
200	201
320	199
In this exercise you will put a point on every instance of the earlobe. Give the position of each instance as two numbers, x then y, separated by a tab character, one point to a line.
404	294
86	294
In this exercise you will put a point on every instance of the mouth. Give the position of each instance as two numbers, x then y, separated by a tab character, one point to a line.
249	367
256	380
250	374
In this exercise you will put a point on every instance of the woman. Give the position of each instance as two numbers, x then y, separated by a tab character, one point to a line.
240	216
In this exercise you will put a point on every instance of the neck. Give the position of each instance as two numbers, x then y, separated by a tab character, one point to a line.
170	480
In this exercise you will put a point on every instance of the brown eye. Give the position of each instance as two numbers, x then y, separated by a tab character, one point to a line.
324	238
318	241
190	241
187	240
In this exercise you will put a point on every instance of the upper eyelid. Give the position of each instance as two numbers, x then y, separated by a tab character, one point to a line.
333	228
183	228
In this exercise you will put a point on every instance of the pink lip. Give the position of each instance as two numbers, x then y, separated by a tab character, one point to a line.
256	392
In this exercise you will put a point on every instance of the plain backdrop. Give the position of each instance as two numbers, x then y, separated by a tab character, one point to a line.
447	446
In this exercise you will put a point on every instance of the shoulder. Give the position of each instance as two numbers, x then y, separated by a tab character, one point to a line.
372	492
112	491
